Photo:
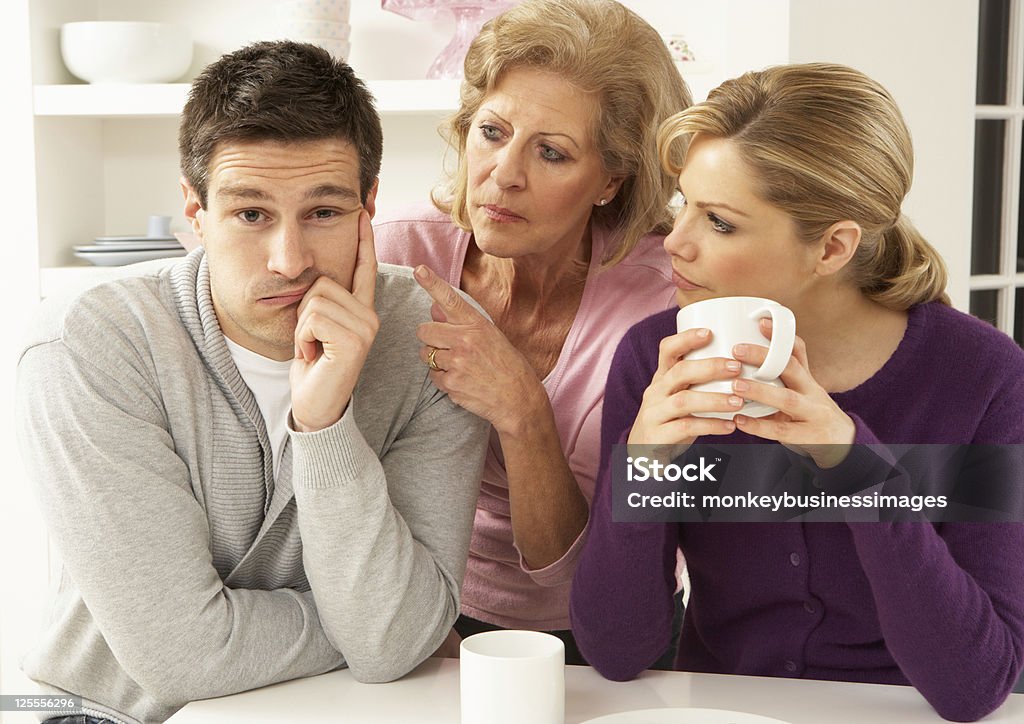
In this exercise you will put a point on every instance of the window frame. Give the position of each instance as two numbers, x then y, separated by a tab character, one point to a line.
1008	280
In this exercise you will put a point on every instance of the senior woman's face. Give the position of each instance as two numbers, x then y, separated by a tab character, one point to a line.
534	171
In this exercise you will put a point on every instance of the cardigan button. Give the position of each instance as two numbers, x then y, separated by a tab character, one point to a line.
790	666
794	558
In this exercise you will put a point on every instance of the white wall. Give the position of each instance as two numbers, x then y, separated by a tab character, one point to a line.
727	37
22	537
925	53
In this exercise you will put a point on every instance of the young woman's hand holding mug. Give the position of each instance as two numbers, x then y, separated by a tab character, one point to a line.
808	420
666	416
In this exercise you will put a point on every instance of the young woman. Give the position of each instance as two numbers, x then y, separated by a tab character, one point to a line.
793	179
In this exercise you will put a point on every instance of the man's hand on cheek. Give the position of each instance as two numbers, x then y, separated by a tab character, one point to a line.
333	335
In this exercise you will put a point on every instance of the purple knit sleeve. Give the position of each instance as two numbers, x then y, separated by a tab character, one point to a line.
950	600
621	602
951	605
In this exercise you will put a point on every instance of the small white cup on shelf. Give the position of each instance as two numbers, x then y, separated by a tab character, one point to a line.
158	226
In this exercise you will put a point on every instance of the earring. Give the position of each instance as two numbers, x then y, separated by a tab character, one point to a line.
602	202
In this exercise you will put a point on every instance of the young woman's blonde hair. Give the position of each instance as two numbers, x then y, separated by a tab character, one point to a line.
598	46
825	144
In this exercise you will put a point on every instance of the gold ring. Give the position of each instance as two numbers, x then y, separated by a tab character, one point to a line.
431	362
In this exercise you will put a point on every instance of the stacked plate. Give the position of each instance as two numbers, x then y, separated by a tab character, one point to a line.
119	250
320	22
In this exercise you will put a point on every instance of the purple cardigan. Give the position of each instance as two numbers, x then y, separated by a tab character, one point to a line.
937	606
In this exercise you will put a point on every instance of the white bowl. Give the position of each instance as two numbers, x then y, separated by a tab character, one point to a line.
126	52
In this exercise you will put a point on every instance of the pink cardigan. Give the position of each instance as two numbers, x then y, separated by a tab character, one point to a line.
499	588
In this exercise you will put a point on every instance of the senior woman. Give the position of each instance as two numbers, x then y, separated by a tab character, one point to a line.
556	213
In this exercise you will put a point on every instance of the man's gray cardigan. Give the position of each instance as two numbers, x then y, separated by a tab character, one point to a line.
187	573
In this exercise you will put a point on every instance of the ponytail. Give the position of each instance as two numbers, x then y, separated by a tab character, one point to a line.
901	269
825	143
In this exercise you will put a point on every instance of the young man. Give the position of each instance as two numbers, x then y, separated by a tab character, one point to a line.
241	458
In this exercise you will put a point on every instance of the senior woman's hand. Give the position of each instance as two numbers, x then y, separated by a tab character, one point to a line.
475	363
808	420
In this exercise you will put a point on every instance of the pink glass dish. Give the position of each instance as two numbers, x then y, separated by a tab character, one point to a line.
470	15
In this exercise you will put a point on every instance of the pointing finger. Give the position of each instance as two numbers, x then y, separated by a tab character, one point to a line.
455	308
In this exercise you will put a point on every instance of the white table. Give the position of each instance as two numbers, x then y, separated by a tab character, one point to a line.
430	695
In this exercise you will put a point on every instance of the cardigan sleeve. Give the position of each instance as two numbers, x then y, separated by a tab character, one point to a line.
385	541
950	602
950	596
120	506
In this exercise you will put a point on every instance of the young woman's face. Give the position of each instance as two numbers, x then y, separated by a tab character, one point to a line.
728	241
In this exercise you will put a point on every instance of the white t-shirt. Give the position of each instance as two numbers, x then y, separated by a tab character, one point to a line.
268	380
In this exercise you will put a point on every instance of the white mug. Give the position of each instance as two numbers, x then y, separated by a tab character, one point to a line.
736	320
512	677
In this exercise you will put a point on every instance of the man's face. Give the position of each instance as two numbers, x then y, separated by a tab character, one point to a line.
278	216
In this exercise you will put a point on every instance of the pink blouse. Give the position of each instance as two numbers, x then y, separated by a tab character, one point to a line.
499	587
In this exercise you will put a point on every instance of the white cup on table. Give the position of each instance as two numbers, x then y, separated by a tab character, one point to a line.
737	320
512	677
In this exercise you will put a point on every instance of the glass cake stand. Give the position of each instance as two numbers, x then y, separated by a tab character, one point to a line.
470	15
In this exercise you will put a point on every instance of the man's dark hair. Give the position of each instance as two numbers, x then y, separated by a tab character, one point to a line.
279	91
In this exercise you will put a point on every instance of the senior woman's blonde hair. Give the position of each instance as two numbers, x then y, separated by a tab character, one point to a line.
825	143
598	46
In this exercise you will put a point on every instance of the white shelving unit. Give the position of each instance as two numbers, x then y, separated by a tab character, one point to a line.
109	101
77	108
114	129
106	155
103	116
167	99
